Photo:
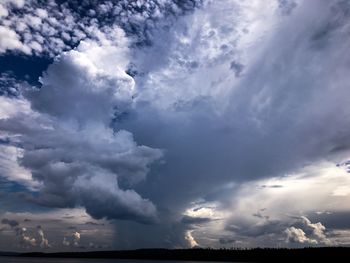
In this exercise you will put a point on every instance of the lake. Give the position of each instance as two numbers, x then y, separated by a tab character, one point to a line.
84	260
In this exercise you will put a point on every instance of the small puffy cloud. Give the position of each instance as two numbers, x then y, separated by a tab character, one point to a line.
10	40
297	235
227	240
42	13
47	21
5	5
13	106
16	3
10	169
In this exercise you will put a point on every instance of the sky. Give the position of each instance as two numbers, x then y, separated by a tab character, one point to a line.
174	124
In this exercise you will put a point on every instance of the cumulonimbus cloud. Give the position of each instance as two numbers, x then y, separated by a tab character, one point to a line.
229	93
67	144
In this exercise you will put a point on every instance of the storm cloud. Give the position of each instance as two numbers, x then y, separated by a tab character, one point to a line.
229	118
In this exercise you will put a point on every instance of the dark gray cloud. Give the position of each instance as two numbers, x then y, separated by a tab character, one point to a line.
332	220
260	214
266	112
190	220
287	6
259	229
237	68
345	164
94	223
272	186
227	240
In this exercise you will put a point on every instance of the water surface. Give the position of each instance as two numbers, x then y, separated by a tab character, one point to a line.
86	260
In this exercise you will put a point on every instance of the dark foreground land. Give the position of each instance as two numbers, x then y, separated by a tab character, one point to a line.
328	254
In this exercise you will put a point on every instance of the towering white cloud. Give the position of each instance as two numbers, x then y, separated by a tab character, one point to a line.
297	235
307	233
76	238
66	142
